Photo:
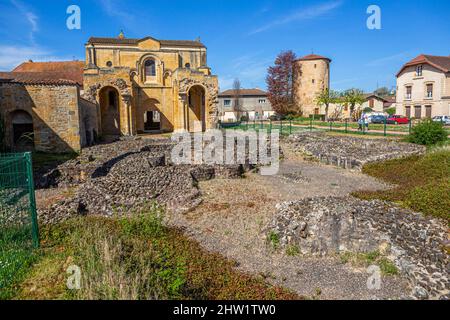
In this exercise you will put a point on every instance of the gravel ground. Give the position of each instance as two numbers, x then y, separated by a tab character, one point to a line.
231	222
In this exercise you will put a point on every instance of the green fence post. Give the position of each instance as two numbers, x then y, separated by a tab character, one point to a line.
310	124
385	126
346	125
270	126
290	126
331	126
410	126
364	126
281	126
254	123
33	212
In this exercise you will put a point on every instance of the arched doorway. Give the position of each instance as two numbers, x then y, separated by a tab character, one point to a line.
110	111
22	129
196	109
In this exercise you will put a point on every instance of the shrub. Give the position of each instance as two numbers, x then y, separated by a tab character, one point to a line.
390	111
428	133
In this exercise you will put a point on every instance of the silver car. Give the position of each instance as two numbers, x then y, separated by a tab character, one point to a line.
443	119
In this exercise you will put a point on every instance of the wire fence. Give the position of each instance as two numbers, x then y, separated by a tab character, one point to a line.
19	234
287	127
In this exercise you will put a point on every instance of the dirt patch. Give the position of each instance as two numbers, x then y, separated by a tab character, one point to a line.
233	215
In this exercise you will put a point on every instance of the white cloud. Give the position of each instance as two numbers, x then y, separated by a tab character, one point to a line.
250	69
114	9
29	16
300	15
399	57
12	56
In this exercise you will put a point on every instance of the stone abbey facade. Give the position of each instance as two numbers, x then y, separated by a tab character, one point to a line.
125	87
149	85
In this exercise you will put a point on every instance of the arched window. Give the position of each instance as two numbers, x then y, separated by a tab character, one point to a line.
150	68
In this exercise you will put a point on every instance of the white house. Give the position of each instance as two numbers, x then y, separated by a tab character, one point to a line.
423	87
254	104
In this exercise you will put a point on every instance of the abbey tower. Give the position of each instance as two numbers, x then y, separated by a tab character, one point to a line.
311	76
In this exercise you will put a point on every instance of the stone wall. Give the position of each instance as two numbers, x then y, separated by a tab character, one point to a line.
88	122
351	152
332	225
54	110
311	77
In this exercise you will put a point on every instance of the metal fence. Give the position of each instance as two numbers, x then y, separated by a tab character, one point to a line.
19	234
287	127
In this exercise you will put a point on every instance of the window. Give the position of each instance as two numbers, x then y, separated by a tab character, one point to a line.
227	103
150	68
408	92
418	112
419	71
313	81
109	64
262	101
187	65
372	103
430	90
315	66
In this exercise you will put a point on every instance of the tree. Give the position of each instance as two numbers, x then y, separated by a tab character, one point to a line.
327	97
237	94
353	97
280	83
382	92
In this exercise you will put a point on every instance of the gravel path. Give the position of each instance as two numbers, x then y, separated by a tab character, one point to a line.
234	213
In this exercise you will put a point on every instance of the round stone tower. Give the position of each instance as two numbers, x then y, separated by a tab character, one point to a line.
311	76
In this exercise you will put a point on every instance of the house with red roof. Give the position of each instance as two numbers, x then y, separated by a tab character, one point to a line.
423	87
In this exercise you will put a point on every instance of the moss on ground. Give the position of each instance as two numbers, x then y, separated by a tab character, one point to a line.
422	182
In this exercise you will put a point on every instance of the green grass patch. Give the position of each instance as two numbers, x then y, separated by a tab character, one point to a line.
42	159
16	258
422	182
136	258
367	259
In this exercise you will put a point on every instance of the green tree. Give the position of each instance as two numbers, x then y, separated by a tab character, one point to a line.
325	98
353	97
383	92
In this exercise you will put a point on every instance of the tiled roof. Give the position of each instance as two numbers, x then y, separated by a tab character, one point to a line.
313	57
439	62
244	92
134	42
68	70
36	78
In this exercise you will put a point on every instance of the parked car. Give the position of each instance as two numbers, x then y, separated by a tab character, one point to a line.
377	119
396	119
443	119
277	117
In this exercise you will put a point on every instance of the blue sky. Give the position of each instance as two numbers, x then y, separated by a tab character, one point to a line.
243	36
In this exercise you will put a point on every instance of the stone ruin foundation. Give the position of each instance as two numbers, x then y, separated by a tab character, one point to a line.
330	225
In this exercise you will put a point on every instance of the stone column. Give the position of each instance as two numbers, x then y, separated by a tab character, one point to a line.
127	103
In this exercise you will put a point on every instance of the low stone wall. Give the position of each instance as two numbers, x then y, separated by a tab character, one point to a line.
324	226
350	152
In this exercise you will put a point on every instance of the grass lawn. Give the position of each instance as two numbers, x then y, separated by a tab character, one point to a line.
423	182
135	258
